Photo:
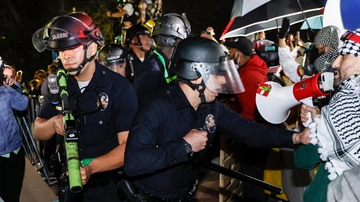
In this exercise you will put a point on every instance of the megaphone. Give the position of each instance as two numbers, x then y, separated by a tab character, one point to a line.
274	101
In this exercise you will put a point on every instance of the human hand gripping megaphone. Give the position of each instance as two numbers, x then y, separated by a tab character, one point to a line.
274	101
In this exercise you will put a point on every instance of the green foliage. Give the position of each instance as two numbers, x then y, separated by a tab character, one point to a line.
97	10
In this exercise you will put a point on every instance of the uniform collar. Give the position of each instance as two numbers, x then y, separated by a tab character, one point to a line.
95	80
181	100
179	97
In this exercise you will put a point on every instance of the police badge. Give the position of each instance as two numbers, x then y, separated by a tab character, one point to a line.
210	123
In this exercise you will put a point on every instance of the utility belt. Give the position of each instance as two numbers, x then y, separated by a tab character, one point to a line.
103	179
137	195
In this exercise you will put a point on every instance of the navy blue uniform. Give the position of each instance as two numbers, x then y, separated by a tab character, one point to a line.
98	126
149	76
155	151
135	63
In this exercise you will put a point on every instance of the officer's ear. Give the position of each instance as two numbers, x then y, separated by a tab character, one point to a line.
93	48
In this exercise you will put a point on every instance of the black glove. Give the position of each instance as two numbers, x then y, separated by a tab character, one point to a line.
285	28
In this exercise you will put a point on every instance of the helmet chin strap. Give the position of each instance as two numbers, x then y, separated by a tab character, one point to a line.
200	88
139	43
81	66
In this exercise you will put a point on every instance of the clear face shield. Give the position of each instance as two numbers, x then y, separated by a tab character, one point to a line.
220	77
41	40
49	37
117	67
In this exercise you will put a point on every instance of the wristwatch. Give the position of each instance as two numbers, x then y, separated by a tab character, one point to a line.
187	147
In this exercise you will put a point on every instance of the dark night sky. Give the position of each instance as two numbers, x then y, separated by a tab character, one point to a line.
202	13
19	19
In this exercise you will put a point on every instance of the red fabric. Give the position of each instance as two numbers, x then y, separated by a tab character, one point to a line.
252	74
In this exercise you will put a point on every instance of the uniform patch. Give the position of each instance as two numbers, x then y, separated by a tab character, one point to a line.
104	99
210	123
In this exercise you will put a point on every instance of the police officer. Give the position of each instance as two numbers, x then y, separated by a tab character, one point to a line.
113	56
139	43
183	120
102	101
153	74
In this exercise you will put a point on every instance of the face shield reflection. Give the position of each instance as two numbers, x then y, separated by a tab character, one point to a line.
220	77
116	67
47	35
41	39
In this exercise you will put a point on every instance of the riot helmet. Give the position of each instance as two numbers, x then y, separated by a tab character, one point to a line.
170	27
197	57
112	54
135	31
67	32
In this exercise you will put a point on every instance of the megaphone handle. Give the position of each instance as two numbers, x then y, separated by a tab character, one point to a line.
308	102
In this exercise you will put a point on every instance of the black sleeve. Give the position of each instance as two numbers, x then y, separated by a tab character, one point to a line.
251	133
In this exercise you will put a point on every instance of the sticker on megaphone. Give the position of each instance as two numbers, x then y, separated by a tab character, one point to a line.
274	101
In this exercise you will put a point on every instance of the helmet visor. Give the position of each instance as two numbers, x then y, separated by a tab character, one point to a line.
220	77
57	39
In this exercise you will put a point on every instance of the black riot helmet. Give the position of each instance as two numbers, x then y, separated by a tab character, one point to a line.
135	31
112	54
197	57
66	32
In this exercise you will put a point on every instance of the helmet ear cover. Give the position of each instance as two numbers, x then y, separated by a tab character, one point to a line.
163	40
95	35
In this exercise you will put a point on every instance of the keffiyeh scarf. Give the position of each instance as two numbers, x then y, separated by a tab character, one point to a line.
337	132
325	60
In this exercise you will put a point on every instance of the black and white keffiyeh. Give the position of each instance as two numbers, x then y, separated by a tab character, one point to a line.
325	60
350	47
337	132
328	37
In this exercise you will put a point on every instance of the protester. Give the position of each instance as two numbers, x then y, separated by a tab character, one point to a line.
326	43
346	187
129	12
12	156
334	131
182	121
101	101
260	42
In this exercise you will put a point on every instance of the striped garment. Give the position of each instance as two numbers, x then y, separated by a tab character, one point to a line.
338	130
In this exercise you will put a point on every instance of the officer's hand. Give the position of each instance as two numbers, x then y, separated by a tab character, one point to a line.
197	139
58	124
85	174
302	137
